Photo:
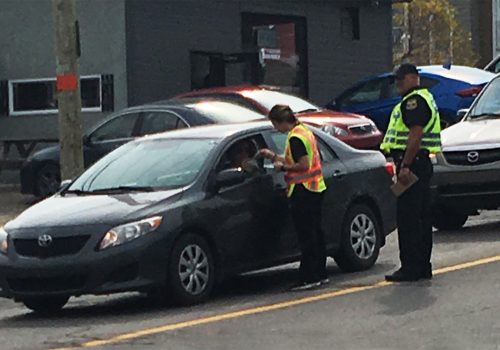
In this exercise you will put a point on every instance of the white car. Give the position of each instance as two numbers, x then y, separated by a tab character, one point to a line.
467	173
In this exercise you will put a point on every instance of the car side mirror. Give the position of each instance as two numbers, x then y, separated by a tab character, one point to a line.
462	112
230	177
65	185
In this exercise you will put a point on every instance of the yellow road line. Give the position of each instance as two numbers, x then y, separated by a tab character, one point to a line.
262	309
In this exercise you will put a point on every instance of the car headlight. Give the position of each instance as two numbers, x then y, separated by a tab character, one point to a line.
128	232
433	158
334	130
4	241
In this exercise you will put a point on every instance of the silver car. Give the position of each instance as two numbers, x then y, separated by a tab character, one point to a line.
467	172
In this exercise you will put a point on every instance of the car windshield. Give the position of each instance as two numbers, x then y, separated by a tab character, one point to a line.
153	164
224	112
488	104
269	99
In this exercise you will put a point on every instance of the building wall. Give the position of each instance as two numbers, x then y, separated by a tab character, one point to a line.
27	43
160	34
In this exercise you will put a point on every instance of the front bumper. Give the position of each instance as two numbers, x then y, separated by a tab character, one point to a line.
136	265
466	188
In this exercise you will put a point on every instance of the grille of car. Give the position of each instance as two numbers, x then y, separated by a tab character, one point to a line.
473	157
60	246
52	284
362	129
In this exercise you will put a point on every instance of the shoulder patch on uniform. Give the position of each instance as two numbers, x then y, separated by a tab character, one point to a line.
411	104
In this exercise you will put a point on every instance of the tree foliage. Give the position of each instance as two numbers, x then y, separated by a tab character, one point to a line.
433	34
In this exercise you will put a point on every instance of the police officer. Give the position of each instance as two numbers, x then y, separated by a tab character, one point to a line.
413	133
305	185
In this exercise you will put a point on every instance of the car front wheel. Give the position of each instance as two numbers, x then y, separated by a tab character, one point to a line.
48	180
360	240
447	219
191	270
46	305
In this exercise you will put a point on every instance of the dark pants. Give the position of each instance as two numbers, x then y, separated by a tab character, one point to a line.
414	220
306	214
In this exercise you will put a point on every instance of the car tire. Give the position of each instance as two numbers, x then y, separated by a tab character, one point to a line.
46	305
47	180
445	219
191	271
360	240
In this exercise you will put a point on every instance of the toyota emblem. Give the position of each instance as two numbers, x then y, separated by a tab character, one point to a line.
44	241
473	157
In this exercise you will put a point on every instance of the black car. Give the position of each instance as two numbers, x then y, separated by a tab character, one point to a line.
176	213
40	175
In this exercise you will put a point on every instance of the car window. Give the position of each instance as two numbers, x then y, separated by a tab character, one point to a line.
156	163
428	83
326	153
240	154
489	100
370	91
392	92
121	127
157	121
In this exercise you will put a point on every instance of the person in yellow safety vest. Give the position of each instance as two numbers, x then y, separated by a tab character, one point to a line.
412	135
306	185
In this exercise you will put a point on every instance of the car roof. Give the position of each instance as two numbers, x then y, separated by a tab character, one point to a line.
212	131
471	75
232	89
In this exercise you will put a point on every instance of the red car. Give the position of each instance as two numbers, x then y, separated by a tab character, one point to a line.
355	130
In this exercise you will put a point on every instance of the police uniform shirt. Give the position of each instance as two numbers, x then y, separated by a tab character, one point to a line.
415	110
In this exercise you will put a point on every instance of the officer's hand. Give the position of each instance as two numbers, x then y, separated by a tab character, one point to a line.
404	176
266	153
278	166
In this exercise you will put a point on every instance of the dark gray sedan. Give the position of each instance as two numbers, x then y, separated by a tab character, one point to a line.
175	213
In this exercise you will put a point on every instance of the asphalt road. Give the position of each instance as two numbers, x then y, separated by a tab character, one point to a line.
458	309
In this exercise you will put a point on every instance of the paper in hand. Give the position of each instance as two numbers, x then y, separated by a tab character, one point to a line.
399	188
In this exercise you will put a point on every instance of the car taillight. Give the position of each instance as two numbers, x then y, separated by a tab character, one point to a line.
390	167
469	92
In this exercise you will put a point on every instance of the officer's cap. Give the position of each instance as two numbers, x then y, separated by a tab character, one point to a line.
404	69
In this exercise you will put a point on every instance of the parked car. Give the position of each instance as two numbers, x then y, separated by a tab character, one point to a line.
467	173
494	65
355	130
40	174
453	89
173	212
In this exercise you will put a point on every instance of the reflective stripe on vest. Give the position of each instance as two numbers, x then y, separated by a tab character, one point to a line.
312	179
396	137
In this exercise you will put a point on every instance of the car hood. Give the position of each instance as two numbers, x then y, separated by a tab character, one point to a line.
472	135
327	117
73	210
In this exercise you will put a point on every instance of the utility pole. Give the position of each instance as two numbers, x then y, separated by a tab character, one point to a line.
68	88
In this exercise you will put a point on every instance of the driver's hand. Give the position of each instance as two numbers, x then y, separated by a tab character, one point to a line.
266	153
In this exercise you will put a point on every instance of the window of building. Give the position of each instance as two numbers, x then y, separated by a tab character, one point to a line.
39	96
349	23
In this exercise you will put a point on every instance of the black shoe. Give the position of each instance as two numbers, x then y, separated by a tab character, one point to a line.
427	274
305	286
401	276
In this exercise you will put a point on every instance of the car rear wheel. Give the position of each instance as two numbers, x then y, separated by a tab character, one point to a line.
191	270
48	180
46	305
360	240
448	219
